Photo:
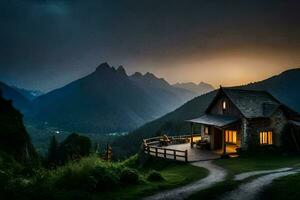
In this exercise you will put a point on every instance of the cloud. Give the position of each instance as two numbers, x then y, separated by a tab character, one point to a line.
72	37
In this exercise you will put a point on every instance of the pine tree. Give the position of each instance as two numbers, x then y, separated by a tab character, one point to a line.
52	152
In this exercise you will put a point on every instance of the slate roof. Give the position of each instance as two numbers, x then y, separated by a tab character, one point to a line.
252	103
297	123
215	120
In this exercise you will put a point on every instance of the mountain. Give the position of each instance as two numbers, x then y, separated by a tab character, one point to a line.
285	87
108	100
28	94
9	93
199	89
14	139
161	91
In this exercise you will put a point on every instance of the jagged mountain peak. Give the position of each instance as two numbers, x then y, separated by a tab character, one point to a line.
137	75
103	65
105	70
121	70
150	75
149	78
108	100
200	88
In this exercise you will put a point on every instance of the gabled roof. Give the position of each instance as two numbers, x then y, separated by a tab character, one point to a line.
297	123
215	120
251	103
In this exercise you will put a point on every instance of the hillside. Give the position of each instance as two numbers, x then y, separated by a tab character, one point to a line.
28	94
285	87
200	88
14	139
108	100
9	93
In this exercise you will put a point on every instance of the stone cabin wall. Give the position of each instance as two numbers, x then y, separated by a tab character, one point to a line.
251	127
244	133
278	122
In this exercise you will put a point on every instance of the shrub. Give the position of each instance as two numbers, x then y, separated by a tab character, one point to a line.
129	176
74	147
154	176
4	178
105	177
75	174
132	162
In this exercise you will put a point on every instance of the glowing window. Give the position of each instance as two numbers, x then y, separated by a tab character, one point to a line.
206	130
230	136
224	105
266	137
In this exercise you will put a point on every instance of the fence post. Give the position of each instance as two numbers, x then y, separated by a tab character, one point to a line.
165	153
186	155
148	150
174	154
156	154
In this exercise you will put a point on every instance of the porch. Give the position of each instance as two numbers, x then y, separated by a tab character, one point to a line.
222	133
179	149
182	152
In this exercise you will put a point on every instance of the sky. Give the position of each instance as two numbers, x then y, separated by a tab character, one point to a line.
46	44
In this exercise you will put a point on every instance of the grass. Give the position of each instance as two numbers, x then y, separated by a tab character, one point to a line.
257	162
245	164
284	188
93	178
174	174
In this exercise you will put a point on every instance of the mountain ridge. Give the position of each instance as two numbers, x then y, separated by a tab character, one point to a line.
108	100
200	88
19	101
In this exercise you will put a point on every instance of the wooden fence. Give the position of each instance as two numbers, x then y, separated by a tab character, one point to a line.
166	153
151	147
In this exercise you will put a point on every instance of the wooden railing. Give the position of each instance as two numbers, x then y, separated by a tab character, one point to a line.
151	147
166	153
155	140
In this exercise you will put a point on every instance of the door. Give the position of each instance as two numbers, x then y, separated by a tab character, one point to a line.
217	139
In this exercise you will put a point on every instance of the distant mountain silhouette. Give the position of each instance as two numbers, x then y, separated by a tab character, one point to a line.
161	91
28	94
285	87
10	93
199	89
108	100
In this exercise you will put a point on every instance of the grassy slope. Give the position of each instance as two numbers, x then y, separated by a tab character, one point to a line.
284	188
71	181
258	162
244	164
175	175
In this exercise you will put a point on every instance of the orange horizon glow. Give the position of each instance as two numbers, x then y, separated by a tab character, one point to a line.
227	69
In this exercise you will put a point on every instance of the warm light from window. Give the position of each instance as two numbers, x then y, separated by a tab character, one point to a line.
266	137
206	130
230	136
224	105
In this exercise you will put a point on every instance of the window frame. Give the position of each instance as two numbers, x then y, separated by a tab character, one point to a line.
264	135
231	136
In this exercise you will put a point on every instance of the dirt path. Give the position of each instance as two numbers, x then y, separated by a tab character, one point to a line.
216	174
250	190
245	175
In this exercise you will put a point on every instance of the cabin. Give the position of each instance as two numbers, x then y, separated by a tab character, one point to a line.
238	119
